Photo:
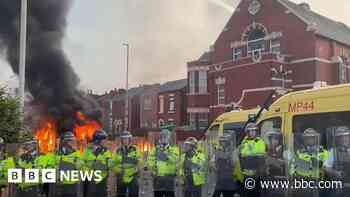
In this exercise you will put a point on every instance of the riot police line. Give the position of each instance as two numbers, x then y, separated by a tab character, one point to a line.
191	170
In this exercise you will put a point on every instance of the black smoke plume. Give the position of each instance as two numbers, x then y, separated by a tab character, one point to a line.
50	77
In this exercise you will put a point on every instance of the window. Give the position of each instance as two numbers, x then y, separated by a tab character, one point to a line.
202	81
221	94
343	70
147	104
237	53
212	134
171	104
198	81
273	124
256	41
192	120
192	82
324	123
161	104
199	120
161	122
275	46
203	121
237	129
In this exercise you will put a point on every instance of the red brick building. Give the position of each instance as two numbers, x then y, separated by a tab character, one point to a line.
172	103
261	36
150	106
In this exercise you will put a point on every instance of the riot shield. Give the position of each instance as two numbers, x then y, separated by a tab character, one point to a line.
225	163
337	165
307	163
209	150
275	161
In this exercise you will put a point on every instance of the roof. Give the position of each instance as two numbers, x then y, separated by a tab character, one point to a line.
205	57
131	93
173	85
324	26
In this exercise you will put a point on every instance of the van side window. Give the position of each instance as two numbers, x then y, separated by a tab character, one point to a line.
273	124
213	132
237	129
323	123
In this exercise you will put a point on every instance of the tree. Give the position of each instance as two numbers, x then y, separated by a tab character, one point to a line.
10	117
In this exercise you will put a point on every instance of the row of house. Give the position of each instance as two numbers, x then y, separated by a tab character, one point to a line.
266	44
149	108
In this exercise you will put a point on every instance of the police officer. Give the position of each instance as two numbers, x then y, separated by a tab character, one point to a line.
226	184
5	164
252	155
337	165
26	160
46	160
162	161
68	159
275	162
308	161
194	168
310	157
103	162
275	154
127	167
85	163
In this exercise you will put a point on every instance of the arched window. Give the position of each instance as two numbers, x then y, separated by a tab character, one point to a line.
254	35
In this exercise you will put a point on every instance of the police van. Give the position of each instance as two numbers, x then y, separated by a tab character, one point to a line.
321	109
229	121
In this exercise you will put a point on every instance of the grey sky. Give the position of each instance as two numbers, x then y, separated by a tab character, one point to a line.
163	34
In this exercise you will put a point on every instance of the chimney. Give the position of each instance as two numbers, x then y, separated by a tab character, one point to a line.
305	5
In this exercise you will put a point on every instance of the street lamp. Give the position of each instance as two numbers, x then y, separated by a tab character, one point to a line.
127	87
22	53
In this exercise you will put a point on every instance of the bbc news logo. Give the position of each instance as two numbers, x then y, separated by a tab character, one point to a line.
52	176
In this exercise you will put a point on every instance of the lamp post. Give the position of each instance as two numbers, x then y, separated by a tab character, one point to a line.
22	53
127	87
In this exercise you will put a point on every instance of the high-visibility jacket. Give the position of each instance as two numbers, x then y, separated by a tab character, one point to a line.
163	161
104	161
26	161
127	160
5	165
251	148
85	160
194	169
308	165
69	162
46	161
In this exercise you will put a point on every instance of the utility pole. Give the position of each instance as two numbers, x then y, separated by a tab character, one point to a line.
127	88
22	54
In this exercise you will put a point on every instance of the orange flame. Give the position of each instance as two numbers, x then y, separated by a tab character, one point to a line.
85	133
46	136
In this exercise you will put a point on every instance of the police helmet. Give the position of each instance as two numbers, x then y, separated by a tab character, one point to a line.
191	141
100	135
68	136
30	144
125	135
251	127
310	132
342	131
274	134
